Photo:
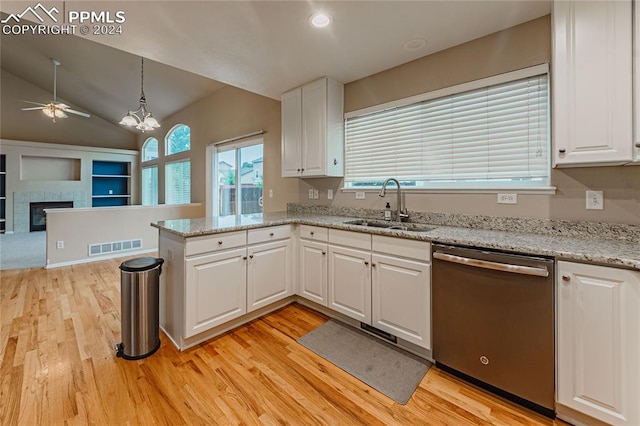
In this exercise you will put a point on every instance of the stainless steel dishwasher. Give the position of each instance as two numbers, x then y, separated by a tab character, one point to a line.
493	322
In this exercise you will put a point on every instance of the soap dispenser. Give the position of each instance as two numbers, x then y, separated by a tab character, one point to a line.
387	212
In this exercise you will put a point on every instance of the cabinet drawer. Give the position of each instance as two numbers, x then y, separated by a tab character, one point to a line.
350	239
411	249
271	233
216	242
315	233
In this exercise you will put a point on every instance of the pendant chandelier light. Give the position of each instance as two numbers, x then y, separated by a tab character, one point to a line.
141	118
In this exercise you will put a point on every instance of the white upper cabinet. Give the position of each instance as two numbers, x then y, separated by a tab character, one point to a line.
312	130
592	83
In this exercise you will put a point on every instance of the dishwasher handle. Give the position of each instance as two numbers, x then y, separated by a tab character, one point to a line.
516	269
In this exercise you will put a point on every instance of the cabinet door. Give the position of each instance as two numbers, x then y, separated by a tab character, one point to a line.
313	271
314	128
401	297
599	342
268	273
350	282
215	291
592	82
291	132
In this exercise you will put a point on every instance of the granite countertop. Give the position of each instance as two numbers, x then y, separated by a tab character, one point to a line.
593	249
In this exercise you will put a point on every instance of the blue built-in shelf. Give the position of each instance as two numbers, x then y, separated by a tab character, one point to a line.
111	184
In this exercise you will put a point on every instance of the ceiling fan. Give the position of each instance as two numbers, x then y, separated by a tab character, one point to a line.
54	109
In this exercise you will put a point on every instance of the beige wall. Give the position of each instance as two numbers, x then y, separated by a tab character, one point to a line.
518	47
227	113
34	126
106	225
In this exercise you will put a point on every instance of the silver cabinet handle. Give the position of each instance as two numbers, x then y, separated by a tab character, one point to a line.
505	267
250	256
324	252
219	243
373	264
366	262
637	144
271	234
566	278
311	233
244	257
562	150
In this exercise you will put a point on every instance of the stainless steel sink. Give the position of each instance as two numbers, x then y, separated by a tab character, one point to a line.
411	227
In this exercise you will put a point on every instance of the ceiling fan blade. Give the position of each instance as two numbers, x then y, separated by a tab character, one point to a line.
32	108
34	103
62	106
72	111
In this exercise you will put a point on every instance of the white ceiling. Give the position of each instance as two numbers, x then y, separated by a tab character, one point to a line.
266	47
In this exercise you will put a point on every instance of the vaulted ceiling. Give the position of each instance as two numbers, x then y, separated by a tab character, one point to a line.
194	48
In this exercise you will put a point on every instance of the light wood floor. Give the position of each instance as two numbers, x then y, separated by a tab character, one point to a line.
58	366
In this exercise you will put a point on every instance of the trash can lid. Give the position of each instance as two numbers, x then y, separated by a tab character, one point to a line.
141	264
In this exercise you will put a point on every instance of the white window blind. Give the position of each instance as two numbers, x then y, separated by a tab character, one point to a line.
492	135
178	182
150	186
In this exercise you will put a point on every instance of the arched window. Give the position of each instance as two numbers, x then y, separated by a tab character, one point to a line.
178	139
150	149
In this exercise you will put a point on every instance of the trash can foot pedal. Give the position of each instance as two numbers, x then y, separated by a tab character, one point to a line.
120	352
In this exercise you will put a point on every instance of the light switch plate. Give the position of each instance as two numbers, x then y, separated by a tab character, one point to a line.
311	193
359	195
595	200
316	194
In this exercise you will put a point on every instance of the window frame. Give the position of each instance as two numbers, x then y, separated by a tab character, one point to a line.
166	176
144	160
142	186
544	187
212	168
167	149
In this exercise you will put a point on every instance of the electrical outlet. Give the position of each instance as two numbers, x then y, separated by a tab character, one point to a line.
271	193
316	194
60	244
595	200
359	195
330	194
311	193
507	198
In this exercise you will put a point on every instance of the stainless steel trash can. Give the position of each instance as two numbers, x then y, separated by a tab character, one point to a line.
140	319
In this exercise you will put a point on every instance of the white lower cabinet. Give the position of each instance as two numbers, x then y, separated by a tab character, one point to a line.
384	282
598	342
313	271
216	289
268	273
350	282
401	301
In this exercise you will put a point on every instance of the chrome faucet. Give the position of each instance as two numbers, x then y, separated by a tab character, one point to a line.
402	214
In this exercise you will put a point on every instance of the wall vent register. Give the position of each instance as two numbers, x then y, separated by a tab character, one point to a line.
96	249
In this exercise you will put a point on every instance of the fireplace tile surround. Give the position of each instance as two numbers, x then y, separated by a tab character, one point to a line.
21	201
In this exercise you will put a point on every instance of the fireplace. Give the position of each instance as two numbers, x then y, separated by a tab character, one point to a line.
37	216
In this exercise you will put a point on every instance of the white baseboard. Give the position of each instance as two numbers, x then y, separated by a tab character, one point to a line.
97	258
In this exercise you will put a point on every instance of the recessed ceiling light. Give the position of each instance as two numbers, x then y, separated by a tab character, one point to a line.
320	20
415	44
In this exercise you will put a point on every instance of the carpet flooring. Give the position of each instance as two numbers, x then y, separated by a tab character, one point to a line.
382	366
23	250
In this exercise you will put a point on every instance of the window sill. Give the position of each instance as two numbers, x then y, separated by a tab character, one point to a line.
546	190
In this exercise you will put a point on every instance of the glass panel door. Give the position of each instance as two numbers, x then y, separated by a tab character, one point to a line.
238	175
